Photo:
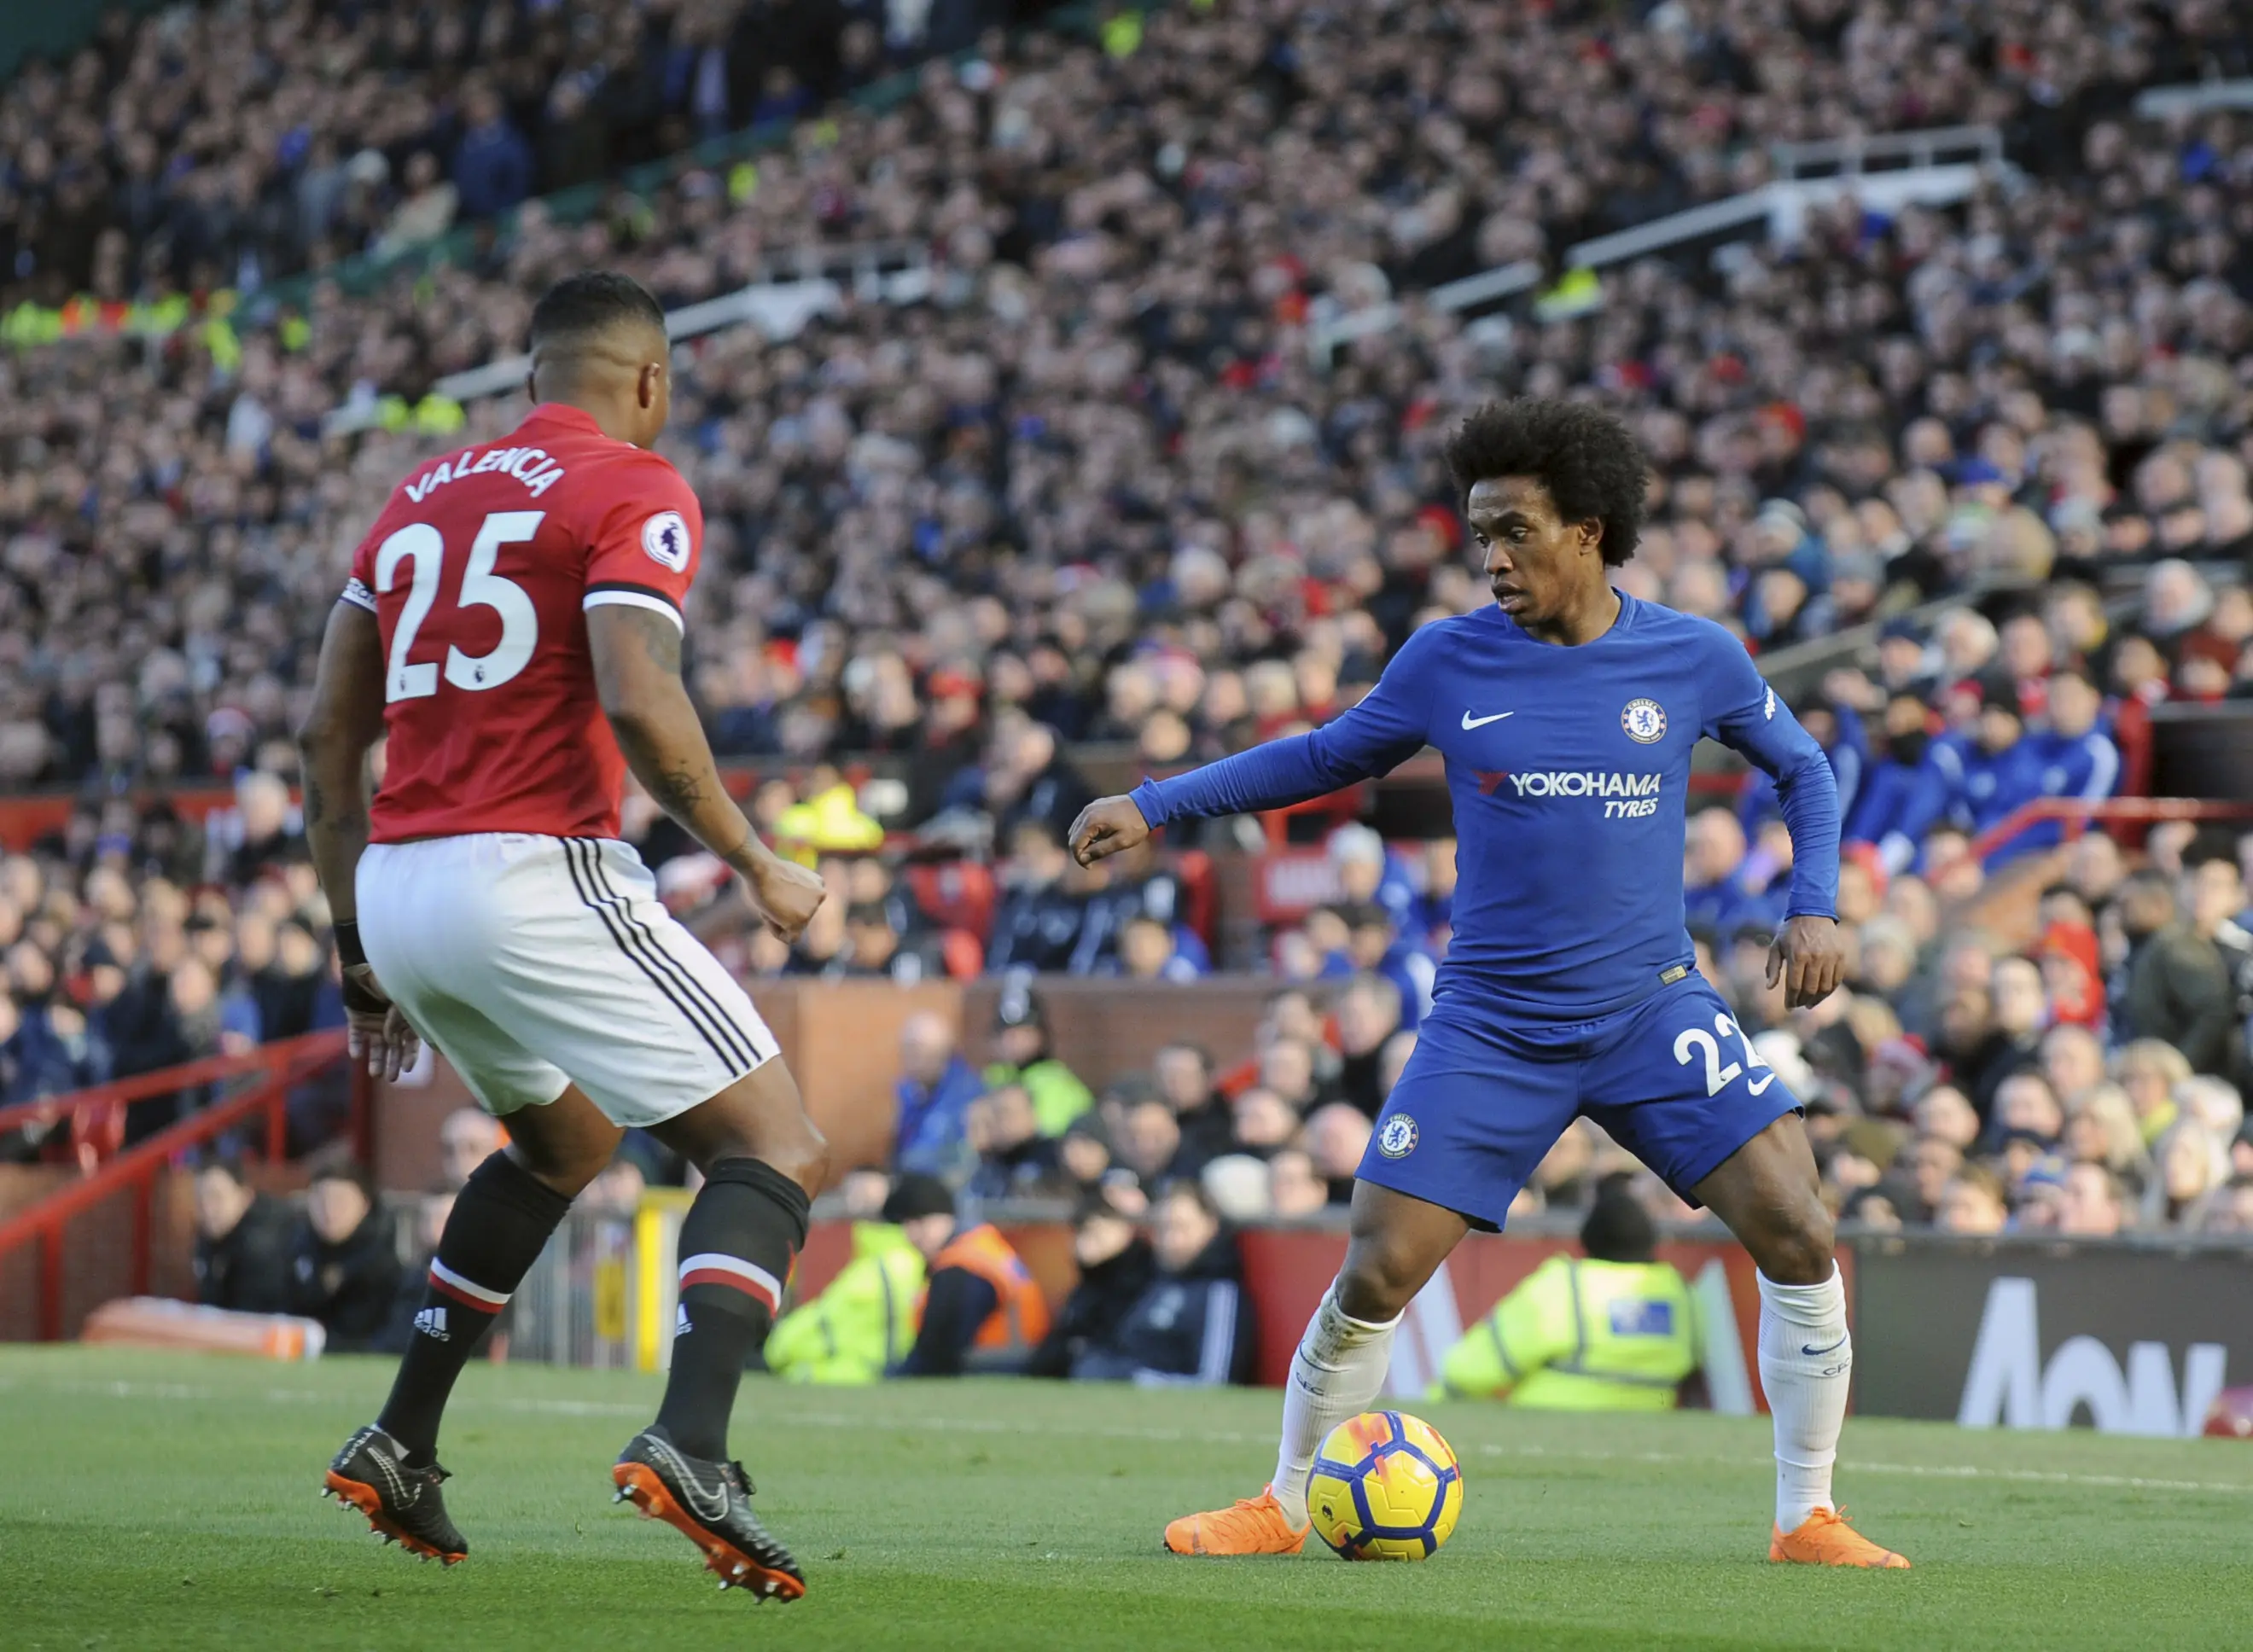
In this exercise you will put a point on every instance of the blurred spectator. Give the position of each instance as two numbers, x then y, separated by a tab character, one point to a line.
2174	987
1192	1325
1614	1330
2150	1071
1185	1078
1149	1140
982	1310
1972	1204
1337	1136
1368	1016
1024	1055
467	1136
1038	926
1015	1160
1148	952
1295	1189
935	1092
344	1269
1262	1122
244	1242
2188	1165
1115	1266
2092	1206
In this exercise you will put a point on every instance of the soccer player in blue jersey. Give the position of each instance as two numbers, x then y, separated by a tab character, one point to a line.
1566	712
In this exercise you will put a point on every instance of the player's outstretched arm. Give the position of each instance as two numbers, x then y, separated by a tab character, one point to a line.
345	719
1372	738
637	659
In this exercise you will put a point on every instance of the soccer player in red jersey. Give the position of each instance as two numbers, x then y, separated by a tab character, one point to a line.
513	627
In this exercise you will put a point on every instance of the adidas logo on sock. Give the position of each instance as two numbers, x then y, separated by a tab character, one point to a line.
431	1322
680	1325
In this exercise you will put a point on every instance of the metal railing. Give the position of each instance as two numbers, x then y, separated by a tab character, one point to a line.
132	1173
2196	97
44	1113
1862	152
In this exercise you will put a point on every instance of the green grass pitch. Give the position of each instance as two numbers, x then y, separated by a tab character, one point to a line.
155	1501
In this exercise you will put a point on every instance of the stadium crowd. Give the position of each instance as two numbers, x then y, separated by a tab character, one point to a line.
208	147
1093	489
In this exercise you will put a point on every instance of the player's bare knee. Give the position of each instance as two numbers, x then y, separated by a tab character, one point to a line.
1798	1244
806	1159
1375	1284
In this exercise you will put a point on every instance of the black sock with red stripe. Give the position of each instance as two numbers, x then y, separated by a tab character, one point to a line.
500	1223
736	1242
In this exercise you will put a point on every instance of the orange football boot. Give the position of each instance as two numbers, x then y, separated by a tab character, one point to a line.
1824	1539
1255	1525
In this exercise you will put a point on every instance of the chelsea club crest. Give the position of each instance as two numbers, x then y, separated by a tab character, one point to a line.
1644	721
1397	1139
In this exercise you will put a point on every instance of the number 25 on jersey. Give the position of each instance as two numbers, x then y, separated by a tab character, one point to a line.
420	544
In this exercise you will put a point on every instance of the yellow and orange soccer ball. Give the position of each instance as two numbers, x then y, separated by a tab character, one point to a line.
1385	1487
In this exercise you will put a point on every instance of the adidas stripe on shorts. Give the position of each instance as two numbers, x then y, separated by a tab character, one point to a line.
536	962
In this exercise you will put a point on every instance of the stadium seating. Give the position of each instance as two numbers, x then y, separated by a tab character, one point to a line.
1086	468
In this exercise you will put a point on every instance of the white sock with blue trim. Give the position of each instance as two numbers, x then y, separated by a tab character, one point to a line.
1806	1366
1339	1367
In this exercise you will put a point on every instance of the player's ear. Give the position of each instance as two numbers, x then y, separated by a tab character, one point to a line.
645	391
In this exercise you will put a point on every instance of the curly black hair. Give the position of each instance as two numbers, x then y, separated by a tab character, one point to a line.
1583	454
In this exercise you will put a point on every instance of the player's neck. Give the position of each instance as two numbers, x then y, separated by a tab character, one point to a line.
613	415
1584	622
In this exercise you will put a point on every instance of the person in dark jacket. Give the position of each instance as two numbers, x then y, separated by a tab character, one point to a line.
1115	1267
1192	1325
244	1243
346	1272
1185	1079
2175	986
1015	1160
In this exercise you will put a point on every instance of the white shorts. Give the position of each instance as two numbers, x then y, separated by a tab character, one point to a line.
534	963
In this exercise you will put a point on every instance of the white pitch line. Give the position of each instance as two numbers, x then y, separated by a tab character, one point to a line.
1850	1466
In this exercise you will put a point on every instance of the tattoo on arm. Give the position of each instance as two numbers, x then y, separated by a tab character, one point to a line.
678	789
317	802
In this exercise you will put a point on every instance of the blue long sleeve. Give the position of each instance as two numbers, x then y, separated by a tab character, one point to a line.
1753	720
1373	738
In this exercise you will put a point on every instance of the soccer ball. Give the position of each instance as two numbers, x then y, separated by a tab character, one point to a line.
1385	1487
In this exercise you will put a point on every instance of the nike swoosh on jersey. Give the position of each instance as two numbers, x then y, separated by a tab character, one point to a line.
1471	723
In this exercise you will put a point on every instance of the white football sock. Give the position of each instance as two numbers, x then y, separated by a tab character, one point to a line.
1338	1369
1806	1363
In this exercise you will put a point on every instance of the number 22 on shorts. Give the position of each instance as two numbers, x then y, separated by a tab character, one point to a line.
1692	1040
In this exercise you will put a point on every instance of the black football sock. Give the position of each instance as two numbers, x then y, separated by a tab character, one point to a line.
736	1242
500	1221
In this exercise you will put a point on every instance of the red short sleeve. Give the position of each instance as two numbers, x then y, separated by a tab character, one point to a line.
647	545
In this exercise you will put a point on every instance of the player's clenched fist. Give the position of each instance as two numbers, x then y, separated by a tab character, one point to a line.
787	894
1106	827
1808	958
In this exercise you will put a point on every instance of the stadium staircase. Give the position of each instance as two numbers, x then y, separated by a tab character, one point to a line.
87	1229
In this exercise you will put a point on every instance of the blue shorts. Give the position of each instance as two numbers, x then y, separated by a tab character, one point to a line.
1481	1100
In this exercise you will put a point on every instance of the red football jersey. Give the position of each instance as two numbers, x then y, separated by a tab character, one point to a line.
478	571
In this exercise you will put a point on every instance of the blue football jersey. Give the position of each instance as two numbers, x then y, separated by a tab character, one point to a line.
1569	769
